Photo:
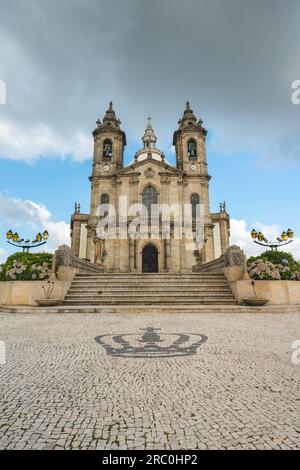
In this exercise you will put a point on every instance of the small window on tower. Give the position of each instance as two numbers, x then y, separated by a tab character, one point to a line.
195	201
192	149
107	149
104	200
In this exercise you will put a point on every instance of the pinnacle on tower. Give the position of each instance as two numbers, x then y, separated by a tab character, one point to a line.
110	117
189	119
149	138
109	122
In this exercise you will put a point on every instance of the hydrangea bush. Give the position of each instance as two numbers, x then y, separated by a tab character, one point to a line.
26	267
274	265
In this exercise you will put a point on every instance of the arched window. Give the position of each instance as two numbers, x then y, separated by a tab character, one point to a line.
149	198
104	200
195	201
107	149
192	149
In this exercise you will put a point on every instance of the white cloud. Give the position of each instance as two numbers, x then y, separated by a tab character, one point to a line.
240	235
35	216
3	255
34	142
63	80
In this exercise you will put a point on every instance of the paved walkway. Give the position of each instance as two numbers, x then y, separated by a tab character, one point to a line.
59	389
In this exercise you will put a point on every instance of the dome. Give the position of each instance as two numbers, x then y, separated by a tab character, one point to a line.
149	150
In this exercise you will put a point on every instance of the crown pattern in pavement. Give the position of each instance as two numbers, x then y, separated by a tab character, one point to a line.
151	344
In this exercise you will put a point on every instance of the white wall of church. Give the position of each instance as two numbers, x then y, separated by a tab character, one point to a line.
217	240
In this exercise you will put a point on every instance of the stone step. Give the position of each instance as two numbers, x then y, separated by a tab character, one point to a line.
171	290
150	281
149	300
152	302
140	309
143	299
147	293
149	276
149	288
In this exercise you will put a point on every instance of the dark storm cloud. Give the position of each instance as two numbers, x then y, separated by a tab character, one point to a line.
62	62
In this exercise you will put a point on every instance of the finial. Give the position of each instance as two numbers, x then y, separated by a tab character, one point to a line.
110	106
75	207
78	207
187	105
98	122
149	121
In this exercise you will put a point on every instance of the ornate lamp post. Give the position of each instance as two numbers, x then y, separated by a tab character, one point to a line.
260	239
26	245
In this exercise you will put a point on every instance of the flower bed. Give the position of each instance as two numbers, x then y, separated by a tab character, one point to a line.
274	265
26	267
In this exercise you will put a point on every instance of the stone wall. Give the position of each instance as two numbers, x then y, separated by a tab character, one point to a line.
279	292
26	292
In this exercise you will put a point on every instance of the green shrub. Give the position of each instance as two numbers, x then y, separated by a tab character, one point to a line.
26	267
270	265
276	257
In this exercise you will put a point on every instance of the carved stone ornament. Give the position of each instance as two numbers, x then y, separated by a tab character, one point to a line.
64	256
165	179
149	173
134	180
234	256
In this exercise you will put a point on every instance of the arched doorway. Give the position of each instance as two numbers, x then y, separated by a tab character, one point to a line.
150	259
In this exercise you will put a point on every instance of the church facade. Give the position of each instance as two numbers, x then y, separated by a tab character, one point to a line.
151	182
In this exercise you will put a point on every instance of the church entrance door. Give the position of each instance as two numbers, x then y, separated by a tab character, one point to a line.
150	259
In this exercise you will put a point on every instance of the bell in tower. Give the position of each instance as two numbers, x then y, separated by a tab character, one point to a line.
189	141
109	143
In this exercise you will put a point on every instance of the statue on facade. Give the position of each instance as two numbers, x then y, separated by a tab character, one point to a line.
99	244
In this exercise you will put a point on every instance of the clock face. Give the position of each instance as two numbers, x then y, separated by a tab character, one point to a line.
106	167
193	167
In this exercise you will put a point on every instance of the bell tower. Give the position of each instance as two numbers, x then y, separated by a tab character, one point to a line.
190	144
109	143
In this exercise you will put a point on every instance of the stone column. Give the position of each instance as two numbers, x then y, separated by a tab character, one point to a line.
75	240
224	236
116	252
168	254
182	184
90	248
209	245
131	255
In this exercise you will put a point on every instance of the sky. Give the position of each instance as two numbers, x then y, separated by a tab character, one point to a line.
62	62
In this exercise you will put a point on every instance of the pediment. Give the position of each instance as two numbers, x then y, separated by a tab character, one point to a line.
142	166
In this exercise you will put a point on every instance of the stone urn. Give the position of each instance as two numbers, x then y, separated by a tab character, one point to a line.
255	301
48	302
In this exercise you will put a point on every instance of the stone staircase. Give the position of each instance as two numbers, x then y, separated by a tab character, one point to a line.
149	289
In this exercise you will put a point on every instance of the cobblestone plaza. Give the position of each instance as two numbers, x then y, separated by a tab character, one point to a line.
59	389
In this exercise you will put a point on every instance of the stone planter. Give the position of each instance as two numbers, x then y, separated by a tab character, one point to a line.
255	301
48	302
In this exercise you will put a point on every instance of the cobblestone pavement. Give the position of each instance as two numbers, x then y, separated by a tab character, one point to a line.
60	390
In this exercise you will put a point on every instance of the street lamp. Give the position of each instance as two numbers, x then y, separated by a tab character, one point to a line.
14	239
285	238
